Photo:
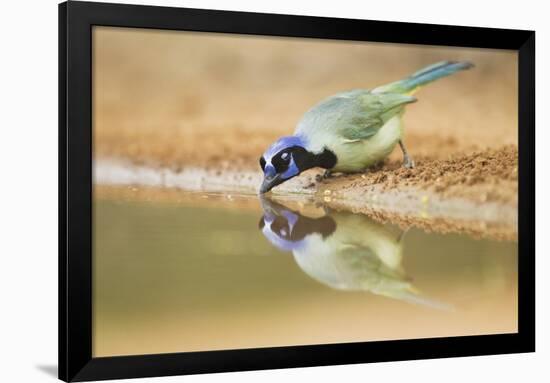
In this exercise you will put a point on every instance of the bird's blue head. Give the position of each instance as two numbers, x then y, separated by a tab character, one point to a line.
288	230
278	229
287	157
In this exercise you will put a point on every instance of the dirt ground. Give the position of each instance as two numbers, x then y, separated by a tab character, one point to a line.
450	170
185	100
488	175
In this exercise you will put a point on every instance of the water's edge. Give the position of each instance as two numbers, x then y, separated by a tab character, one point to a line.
405	206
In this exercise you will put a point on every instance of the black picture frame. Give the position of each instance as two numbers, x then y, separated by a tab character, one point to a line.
76	20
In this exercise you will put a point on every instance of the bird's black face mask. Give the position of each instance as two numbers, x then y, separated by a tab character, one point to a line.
290	162
286	229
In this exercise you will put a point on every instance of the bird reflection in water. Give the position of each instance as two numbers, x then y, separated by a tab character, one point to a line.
342	250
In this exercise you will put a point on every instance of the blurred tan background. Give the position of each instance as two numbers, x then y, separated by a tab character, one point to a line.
180	98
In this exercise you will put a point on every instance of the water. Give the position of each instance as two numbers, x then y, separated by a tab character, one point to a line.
199	272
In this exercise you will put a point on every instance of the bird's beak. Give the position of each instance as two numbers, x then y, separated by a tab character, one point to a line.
270	182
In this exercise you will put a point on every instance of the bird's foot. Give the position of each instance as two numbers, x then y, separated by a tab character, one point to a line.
324	176
408	162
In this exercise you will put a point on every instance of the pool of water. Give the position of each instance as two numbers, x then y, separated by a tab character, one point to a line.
190	275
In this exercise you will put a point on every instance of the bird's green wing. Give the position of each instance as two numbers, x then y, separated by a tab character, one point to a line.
370	112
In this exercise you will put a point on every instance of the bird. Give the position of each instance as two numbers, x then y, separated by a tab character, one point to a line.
350	131
344	251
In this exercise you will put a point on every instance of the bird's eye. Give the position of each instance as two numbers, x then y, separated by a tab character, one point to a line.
280	227
262	163
281	161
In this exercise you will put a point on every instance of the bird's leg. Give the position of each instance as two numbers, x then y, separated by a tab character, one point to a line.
325	175
401	235
407	160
